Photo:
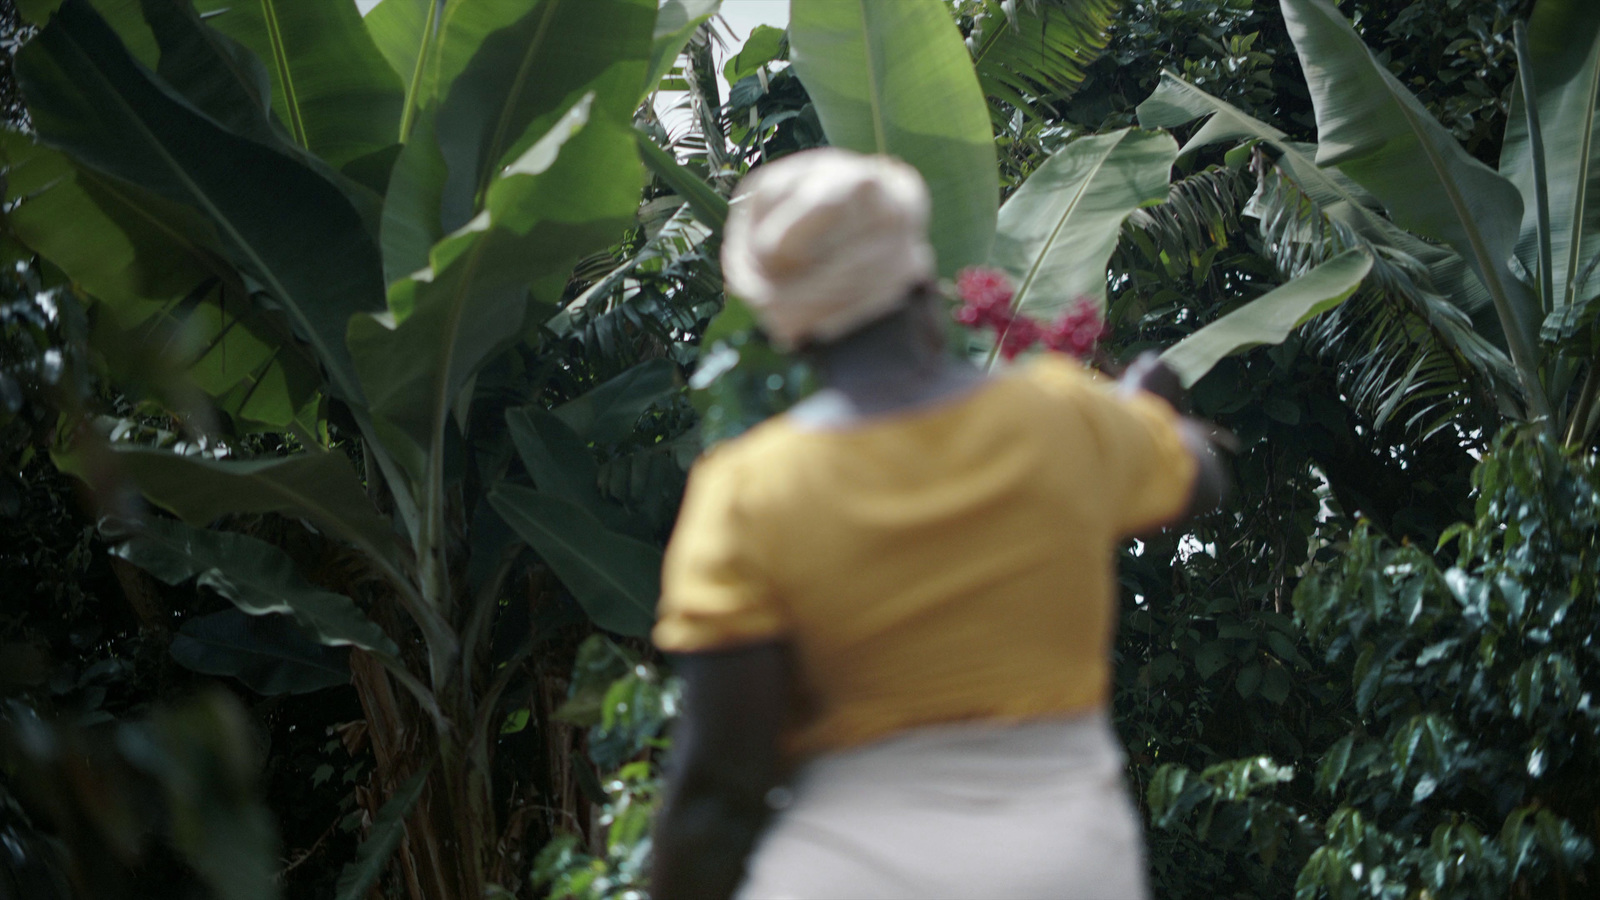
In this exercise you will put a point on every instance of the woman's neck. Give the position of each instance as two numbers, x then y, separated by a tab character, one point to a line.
854	393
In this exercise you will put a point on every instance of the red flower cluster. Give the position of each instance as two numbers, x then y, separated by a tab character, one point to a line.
985	298
986	303
1078	330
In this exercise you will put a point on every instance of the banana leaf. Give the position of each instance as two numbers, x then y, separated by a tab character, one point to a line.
331	87
283	224
1177	102
258	578
119	242
608	414
614	578
1057	232
462	28
1564	42
164	297
222	78
410	225
1379	134
709	207
895	78
321	487
1270	318
124	16
403	31
559	463
267	653
570	194
1451	299
525	76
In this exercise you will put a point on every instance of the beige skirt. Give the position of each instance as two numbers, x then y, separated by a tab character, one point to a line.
1030	811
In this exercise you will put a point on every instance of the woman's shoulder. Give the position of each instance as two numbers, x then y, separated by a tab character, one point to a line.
1058	373
759	440
755	456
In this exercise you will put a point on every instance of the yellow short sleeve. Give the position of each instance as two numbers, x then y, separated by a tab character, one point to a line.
1146	471
1152	468
715	591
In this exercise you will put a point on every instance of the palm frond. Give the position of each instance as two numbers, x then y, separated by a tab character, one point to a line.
1405	352
705	100
1200	211
1030	52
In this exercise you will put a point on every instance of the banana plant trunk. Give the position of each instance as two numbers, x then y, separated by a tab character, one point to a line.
443	854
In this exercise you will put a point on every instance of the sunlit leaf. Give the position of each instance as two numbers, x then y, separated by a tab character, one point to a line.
895	78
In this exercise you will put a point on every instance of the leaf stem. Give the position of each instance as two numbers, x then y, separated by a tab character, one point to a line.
1541	185
415	687
280	63
430	31
1580	420
878	132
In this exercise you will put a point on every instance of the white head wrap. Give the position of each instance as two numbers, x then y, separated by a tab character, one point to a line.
824	241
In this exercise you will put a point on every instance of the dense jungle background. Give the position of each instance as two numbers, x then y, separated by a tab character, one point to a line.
350	369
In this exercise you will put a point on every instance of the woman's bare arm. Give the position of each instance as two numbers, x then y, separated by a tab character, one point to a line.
725	760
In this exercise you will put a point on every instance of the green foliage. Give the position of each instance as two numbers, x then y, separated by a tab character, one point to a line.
159	262
1469	764
1232	815
616	578
42	367
330	86
1422	331
676	23
1562	70
1413	343
388	829
183	776
742	380
356	234
1224	45
564	870
320	273
764	45
1032	54
267	653
625	703
257	577
322	487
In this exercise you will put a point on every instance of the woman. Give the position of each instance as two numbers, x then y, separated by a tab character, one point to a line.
894	603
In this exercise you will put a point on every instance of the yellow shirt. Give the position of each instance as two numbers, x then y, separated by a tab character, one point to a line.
950	563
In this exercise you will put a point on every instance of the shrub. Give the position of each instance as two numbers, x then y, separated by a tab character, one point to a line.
1470	765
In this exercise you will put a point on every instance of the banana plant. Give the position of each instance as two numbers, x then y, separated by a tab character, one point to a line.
1549	154
1307	215
1447	230
1058	231
348	231
1055	234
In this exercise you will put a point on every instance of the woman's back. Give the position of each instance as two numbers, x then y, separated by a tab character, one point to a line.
944	564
